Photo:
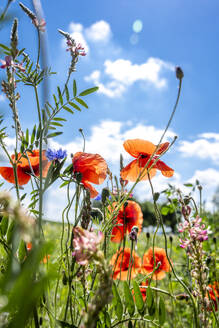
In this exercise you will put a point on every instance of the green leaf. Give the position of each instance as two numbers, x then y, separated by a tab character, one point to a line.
64	184
56	124
68	109
188	184
81	102
27	137
23	196
88	91
150	302
38	132
129	299
68	169
74	105
74	88
10	232
117	302
22	252
55	134
55	100
4	225
60	96
138	298
149	297
5	47
33	134
66	92
59	119
162	312
165	210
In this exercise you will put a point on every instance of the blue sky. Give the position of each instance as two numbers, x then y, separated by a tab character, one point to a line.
135	72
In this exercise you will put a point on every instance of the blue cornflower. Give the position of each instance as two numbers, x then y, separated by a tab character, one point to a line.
56	154
98	197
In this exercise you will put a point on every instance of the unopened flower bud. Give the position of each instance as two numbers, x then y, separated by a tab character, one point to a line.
179	73
148	235
134	234
105	194
78	176
171	238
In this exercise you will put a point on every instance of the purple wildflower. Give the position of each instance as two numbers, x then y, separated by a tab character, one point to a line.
56	155
8	62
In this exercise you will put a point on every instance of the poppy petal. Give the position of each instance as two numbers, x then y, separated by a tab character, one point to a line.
93	167
117	233
159	275
136	147
8	174
165	170
93	191
132	170
162	148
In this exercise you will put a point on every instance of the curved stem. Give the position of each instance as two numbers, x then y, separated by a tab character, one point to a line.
170	263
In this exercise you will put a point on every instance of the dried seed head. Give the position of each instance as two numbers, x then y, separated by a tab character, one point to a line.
27	11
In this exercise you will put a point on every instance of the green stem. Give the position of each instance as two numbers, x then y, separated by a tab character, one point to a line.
40	164
135	319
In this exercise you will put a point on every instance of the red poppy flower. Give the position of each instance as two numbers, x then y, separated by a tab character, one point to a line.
148	263
120	261
214	291
23	167
128	216
142	151
92	167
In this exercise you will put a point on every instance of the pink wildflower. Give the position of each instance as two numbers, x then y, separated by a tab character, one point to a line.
183	226
85	244
40	25
8	62
76	49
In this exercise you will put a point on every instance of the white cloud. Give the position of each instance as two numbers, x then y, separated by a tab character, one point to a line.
127	73
202	148
209	180
107	139
99	31
123	73
210	135
76	30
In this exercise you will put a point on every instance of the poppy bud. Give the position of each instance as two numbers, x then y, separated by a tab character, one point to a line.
171	239
148	235
133	236
156	196
104	195
78	176
179	73
208	260
64	279
186	210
